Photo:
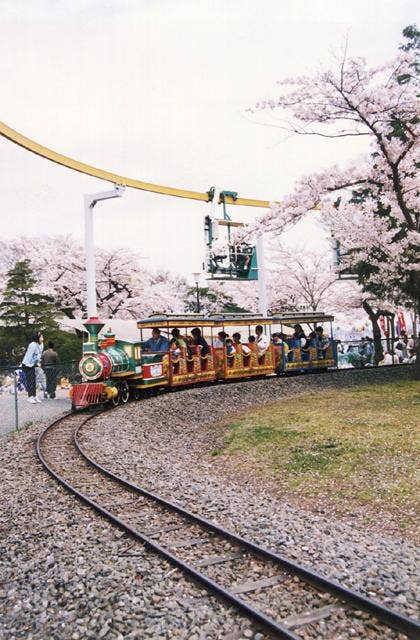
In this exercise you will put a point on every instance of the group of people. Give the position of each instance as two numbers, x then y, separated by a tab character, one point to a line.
405	348
176	342
367	350
363	354
234	344
40	367
315	339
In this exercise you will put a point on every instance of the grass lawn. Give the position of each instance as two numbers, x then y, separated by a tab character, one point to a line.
349	448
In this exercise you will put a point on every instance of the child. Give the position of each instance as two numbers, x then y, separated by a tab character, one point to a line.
174	348
230	349
41	380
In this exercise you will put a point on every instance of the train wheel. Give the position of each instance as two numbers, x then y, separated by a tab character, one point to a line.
136	394
124	392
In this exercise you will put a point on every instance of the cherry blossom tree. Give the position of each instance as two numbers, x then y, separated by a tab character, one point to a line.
297	279
372	206
214	298
300	279
123	288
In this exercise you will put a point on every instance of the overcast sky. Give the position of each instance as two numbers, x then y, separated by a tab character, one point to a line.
157	90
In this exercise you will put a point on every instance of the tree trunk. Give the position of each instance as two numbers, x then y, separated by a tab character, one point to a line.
376	330
392	325
417	339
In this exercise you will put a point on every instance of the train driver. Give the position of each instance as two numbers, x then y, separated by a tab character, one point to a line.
157	342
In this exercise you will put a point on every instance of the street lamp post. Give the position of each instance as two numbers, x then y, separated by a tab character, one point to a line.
90	202
196	277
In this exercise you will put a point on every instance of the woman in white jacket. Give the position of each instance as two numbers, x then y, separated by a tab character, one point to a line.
32	359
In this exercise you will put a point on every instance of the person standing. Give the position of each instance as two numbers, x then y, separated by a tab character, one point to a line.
32	359
49	362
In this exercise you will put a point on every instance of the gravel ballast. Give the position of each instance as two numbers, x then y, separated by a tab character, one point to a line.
66	573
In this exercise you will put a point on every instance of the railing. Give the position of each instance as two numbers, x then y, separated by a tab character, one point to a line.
354	353
16	412
51	390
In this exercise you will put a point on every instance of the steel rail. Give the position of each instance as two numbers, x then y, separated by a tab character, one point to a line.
257	616
82	167
389	617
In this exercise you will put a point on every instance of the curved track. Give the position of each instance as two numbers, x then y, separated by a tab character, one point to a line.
170	530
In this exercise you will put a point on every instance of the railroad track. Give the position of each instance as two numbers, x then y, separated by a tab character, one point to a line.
204	551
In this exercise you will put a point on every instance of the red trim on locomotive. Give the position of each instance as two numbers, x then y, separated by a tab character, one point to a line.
88	393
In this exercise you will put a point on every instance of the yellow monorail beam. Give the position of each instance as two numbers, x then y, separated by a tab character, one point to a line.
44	152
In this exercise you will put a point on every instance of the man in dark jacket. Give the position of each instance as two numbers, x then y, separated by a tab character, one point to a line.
49	362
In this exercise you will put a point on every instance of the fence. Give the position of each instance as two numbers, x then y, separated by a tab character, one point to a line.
353	353
16	412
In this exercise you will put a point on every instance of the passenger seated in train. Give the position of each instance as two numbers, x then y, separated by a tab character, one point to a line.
200	342
310	342
281	342
237	341
261	340
299	336
230	348
175	333
157	342
322	342
174	348
219	342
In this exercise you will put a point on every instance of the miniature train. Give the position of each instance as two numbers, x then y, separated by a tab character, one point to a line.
112	370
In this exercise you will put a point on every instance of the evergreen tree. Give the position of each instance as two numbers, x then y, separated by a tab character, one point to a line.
23	311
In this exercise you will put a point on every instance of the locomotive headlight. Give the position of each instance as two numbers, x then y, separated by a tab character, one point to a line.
90	367
94	366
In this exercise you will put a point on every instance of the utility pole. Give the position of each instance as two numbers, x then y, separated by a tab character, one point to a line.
90	201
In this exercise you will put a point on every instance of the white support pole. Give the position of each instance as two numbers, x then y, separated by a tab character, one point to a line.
92	310
214	203
262	289
90	201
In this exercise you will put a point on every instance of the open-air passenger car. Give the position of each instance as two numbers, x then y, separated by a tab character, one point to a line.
113	369
190	366
293	355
